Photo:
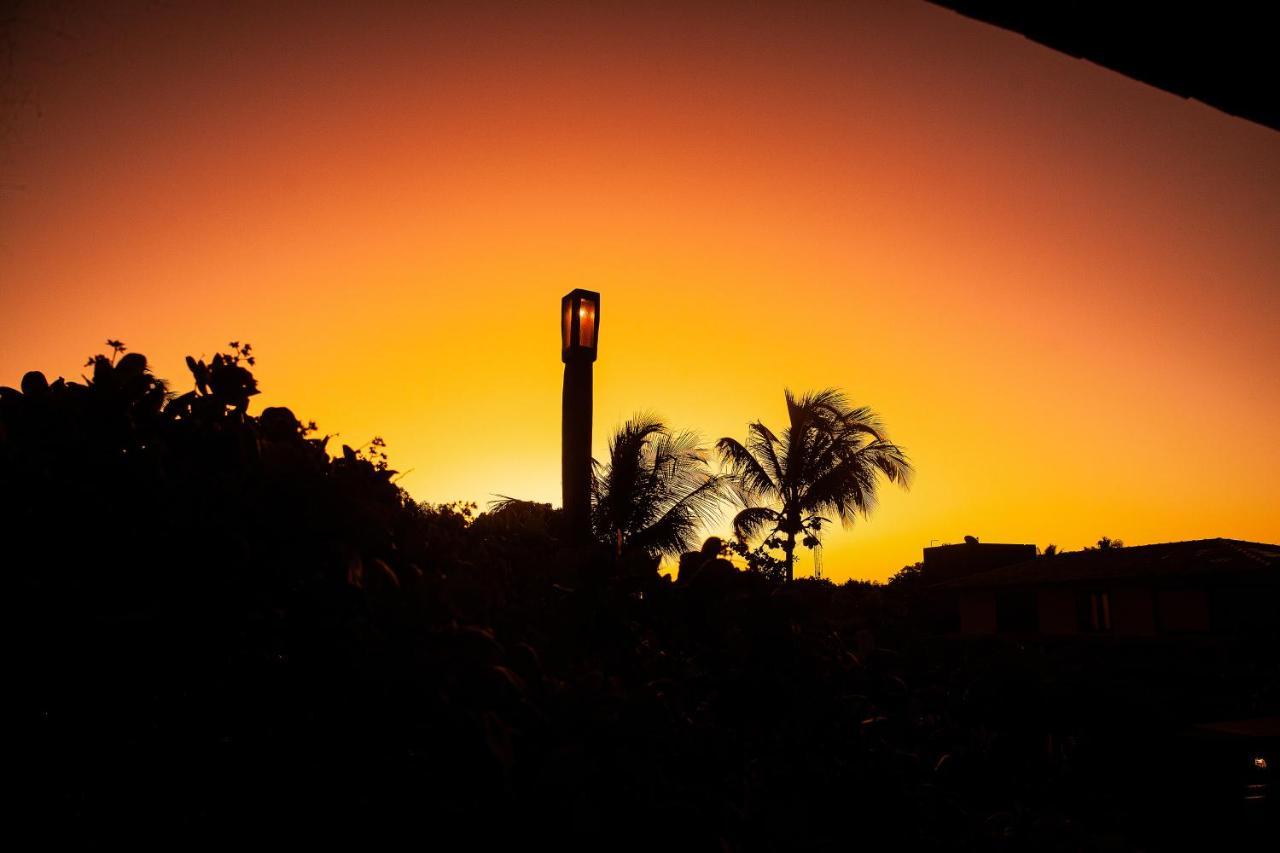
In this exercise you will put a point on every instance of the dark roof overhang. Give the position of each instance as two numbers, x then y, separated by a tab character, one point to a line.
1222	54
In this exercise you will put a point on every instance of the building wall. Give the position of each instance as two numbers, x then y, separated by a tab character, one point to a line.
977	613
1056	608
1133	611
1183	610
1250	608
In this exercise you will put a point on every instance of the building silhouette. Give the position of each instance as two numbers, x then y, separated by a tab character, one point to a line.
1206	586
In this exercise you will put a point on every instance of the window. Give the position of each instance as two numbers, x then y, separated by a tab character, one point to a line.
1094	612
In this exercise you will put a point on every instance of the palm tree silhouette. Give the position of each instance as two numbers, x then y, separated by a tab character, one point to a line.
656	490
829	459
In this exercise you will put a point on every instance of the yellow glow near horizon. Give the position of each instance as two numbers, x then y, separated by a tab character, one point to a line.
1058	286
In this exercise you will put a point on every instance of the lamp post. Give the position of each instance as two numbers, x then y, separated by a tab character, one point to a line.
579	334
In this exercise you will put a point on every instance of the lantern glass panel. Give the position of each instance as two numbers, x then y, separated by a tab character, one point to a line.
566	333
587	323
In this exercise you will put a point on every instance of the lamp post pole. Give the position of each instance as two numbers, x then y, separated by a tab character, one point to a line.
580	327
575	461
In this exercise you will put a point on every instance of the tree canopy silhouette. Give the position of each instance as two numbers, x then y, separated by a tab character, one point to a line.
655	492
829	459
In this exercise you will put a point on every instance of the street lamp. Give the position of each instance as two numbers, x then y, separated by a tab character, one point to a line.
579	336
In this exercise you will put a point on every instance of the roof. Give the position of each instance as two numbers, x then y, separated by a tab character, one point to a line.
1197	558
948	562
1221	54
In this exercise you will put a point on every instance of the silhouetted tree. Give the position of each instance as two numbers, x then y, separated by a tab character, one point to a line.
1106	543
656	491
908	575
829	459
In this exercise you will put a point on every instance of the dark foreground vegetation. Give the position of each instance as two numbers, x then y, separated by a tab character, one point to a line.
224	633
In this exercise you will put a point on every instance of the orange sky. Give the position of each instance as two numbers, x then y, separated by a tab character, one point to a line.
1058	285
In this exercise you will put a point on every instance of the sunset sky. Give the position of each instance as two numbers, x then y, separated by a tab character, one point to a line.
1059	287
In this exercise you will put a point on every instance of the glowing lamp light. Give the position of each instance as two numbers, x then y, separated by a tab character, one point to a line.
1260	762
579	326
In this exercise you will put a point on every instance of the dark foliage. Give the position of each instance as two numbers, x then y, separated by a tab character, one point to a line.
226	634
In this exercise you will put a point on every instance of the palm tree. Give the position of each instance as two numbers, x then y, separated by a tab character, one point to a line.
829	459
656	490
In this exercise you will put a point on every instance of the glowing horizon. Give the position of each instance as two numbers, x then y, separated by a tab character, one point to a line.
1058	286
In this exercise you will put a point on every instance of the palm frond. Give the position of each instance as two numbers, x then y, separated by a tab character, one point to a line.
748	524
504	502
676	529
892	461
849	488
764	446
829	404
656	491
748	475
862	420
